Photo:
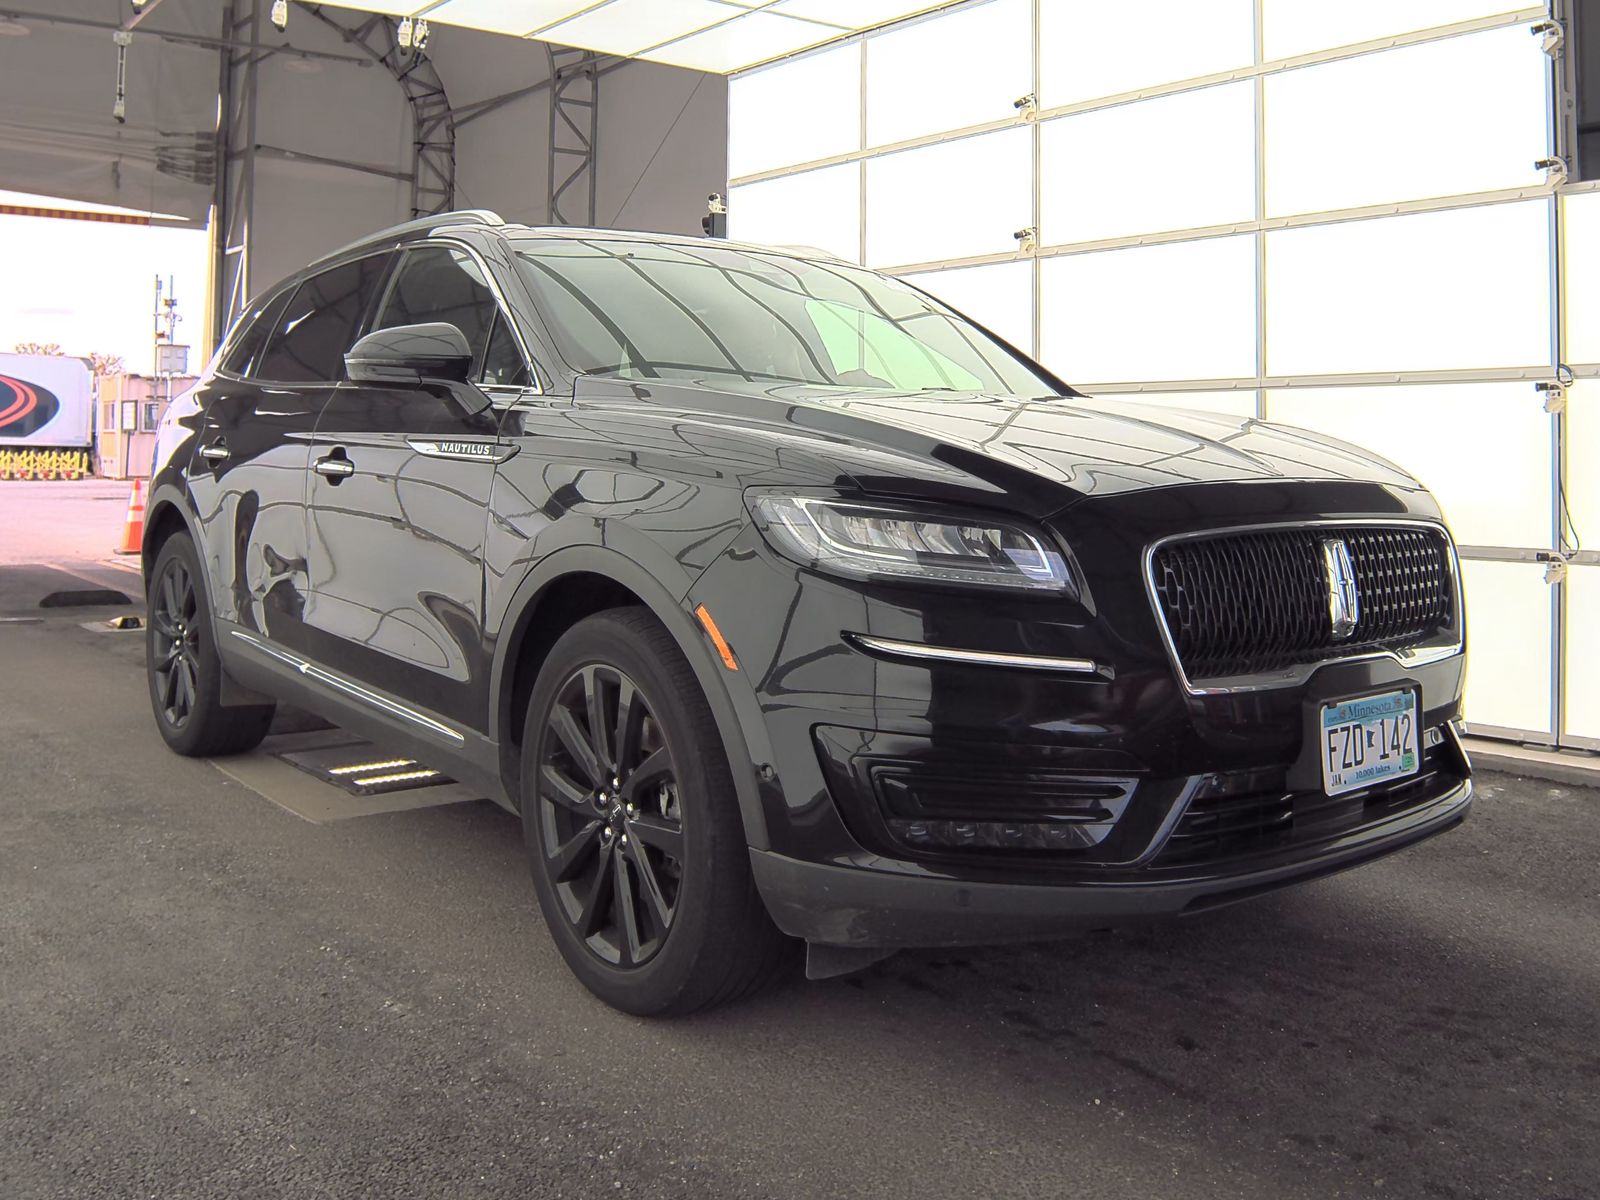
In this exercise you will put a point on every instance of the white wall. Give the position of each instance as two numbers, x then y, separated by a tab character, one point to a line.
661	142
342	111
663	147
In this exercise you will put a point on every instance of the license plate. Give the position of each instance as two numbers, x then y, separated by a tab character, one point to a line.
1368	741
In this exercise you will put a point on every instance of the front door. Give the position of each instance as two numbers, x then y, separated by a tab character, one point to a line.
400	481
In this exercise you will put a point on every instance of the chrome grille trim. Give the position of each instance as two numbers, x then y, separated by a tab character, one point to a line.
1297	673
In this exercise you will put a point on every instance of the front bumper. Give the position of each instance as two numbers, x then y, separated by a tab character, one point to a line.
865	907
899	796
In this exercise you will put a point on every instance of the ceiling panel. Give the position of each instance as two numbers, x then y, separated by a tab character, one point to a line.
853	14
629	26
497	16
752	38
707	35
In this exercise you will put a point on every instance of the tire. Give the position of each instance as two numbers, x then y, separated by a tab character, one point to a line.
647	891
182	667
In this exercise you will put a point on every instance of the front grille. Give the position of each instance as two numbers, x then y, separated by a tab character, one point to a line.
1239	603
1253	812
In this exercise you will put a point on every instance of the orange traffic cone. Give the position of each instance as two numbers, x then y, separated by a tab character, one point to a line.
133	527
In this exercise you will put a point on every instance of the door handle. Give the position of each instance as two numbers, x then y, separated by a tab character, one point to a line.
334	466
217	451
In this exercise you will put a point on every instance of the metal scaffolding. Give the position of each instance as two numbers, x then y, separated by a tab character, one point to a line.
574	120
433	166
234	199
433	147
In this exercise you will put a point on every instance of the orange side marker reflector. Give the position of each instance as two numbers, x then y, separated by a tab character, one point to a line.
717	640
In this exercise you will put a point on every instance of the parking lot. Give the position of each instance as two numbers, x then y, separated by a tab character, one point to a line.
205	994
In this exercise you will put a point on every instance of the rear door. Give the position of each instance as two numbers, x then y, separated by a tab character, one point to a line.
249	471
399	492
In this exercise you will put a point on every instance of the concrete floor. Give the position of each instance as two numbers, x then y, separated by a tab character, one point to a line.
203	994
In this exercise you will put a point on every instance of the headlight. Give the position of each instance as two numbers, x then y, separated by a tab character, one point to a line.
879	541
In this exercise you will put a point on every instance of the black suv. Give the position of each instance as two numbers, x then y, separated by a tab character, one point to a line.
782	601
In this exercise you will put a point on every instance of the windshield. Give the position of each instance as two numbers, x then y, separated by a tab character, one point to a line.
644	310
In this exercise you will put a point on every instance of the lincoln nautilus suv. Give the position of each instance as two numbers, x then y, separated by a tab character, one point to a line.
784	604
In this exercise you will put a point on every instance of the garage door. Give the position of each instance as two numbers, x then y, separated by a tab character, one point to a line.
1319	214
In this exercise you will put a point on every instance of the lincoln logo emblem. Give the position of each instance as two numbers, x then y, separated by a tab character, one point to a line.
1344	602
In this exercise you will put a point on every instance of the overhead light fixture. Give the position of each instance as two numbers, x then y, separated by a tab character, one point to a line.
402	33
280	15
419	36
138	5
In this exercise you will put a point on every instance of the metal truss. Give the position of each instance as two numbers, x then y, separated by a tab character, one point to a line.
574	123
235	188
433	168
433	163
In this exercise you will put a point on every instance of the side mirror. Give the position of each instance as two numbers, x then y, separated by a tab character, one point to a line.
419	356
409	354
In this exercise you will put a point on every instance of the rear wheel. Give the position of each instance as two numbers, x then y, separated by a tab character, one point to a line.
181	663
634	836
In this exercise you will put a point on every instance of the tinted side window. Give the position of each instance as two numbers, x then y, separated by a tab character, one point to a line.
312	333
439	284
251	336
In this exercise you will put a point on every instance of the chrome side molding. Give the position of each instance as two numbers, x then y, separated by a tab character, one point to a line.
371	699
460	450
891	648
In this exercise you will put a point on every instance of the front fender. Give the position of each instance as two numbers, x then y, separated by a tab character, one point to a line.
645	569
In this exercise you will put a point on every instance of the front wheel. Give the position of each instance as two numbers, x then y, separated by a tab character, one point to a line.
633	830
181	663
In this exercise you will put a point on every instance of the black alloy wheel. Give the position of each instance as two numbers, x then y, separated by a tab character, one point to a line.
183	668
175	642
612	822
635	838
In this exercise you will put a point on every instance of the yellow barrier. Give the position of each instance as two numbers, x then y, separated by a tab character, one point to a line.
24	462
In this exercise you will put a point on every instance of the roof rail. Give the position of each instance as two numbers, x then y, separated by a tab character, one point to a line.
465	216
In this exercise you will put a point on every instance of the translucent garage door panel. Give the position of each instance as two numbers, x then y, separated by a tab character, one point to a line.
1581	223
1292	27
1206	168
1000	297
1181	311
815	208
795	112
1444	290
952	200
1482	449
1508	645
1089	49
1345	134
947	72
1583	460
1583	653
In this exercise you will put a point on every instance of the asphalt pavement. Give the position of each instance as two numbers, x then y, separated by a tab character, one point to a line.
203	994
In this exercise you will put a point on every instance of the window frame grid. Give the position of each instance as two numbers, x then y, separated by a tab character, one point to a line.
1558	95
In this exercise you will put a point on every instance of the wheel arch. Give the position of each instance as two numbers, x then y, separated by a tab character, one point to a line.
165	516
577	582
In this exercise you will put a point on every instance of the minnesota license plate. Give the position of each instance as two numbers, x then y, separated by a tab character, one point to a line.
1368	741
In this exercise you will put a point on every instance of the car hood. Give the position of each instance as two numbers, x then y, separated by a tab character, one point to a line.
1077	445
